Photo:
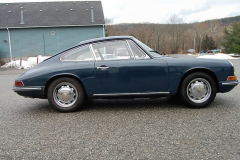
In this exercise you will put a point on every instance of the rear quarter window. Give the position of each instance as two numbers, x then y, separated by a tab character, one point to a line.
82	53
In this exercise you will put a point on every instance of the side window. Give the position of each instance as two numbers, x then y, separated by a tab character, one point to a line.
78	54
112	50
138	53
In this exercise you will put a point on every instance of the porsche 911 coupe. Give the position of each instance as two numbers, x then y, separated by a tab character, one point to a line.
123	67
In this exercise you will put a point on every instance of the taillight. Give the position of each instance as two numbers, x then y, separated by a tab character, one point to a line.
19	83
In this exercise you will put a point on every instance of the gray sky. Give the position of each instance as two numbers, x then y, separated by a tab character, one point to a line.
159	11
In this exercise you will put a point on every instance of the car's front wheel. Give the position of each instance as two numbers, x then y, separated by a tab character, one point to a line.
198	90
65	94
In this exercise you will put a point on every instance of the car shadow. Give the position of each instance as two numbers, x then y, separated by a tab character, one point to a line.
132	104
111	104
125	104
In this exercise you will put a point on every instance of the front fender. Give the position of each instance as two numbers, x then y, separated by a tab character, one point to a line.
179	68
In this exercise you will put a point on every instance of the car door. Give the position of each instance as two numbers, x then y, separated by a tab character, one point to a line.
121	70
79	62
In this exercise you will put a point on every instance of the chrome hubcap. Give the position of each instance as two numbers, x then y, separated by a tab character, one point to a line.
199	90
65	94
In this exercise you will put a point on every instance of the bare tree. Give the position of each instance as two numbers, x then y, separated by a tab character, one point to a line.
143	32
108	26
108	21
214	26
176	31
200	30
160	39
216	31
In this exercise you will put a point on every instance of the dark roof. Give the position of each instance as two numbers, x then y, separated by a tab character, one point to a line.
45	14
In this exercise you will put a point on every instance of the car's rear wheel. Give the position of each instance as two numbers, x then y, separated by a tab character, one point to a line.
198	90
65	94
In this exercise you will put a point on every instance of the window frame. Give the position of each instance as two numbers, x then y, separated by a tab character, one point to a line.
75	48
134	43
132	56
89	45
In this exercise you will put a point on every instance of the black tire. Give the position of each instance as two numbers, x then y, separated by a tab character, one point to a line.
65	94
198	90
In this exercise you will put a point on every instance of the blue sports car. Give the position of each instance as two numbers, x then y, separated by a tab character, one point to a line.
123	67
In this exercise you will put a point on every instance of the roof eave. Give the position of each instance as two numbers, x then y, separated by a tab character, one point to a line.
52	26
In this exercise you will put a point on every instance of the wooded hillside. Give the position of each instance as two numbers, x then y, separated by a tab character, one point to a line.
175	36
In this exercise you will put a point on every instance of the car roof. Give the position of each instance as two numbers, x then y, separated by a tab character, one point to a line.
105	38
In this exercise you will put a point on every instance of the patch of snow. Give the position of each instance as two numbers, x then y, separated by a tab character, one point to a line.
31	62
234	55
16	64
217	56
42	58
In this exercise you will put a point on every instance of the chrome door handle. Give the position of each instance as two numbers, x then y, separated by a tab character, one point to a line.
102	67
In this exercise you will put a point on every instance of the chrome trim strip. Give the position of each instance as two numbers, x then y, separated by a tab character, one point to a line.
131	94
230	83
26	88
78	60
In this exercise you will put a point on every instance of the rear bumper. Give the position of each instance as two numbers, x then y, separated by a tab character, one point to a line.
226	86
32	92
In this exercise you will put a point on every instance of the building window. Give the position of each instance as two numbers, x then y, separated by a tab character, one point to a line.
53	33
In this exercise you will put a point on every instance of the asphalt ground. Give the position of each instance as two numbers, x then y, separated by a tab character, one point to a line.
118	129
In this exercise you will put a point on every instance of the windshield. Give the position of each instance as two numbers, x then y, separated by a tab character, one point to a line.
148	49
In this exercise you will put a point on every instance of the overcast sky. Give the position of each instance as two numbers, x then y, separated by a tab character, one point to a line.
159	11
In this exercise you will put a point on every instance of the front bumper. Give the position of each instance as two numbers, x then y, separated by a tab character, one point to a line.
32	92
226	86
